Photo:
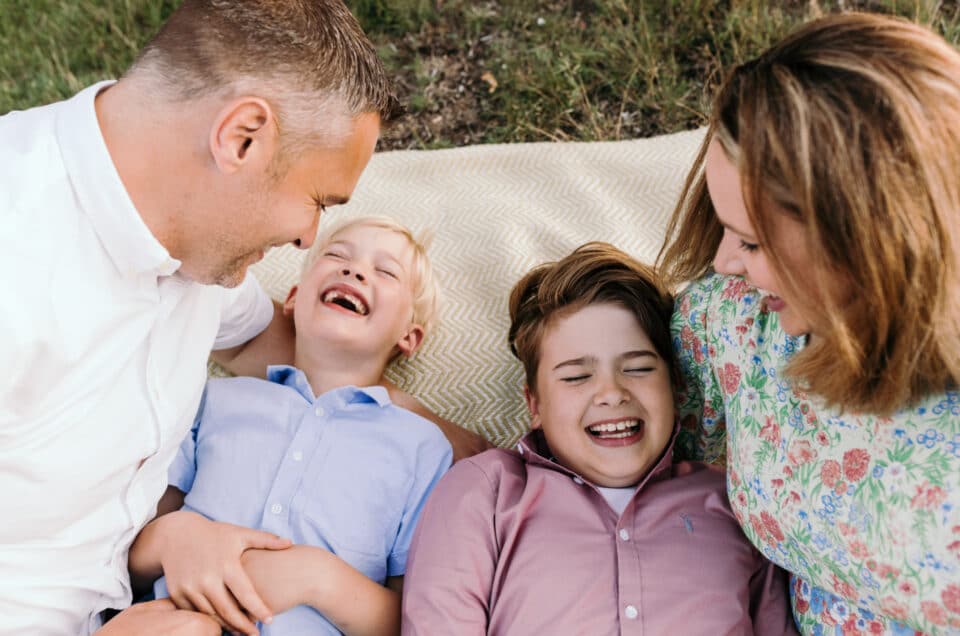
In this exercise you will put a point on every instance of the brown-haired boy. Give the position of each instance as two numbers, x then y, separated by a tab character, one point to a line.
588	528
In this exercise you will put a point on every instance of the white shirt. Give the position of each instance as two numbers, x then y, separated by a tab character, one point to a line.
104	350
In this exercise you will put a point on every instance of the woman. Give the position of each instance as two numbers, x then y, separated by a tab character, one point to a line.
822	357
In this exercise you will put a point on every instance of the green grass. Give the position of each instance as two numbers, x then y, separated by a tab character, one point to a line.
564	70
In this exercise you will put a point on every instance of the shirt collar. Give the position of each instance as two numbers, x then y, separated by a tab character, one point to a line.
100	192
296	379
533	448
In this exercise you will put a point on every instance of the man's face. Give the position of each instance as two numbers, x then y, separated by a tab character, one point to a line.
603	396
358	295
276	210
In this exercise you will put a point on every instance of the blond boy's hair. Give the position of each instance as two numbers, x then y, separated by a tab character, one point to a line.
423	281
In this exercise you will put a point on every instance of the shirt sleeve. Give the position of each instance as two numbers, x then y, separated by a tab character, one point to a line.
184	467
700	407
770	600
246	311
453	557
434	459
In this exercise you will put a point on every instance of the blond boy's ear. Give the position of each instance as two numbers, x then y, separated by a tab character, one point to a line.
290	301
533	406
411	340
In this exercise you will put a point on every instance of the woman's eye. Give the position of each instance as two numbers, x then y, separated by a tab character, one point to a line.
388	272
571	379
748	247
638	370
336	255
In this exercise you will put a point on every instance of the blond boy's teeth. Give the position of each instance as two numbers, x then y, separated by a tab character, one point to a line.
347	300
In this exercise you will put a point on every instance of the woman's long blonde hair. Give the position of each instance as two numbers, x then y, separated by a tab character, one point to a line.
851	125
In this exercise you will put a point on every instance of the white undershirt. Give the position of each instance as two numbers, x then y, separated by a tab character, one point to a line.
618	498
104	350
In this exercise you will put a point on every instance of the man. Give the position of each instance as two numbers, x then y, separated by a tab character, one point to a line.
129	215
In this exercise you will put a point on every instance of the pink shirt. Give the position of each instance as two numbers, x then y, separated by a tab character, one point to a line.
513	543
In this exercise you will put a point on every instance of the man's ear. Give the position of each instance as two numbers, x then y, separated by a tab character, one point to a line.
243	132
411	341
290	301
533	406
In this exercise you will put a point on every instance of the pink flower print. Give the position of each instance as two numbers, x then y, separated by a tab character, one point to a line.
801	452
830	473
685	306
686	337
822	438
907	588
859	550
840	488
855	464
772	526
844	589
771	431
875	628
846	529
951	597
954	548
934	612
887	571
801	604
741	499
776	484
928	497
734	289
697	350
849	627
730	377
788	472
893	608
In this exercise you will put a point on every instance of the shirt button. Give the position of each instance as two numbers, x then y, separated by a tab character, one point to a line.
297	456
631	612
578	481
319	411
624	535
276	508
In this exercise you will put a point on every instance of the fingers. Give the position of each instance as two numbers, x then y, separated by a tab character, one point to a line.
230	610
241	588
219	604
259	539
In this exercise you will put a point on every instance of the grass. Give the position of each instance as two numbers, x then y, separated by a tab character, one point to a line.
476	71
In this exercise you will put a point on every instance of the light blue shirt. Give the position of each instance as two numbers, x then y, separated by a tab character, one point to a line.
348	471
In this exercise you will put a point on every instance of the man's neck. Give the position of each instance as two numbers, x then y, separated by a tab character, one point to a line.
336	369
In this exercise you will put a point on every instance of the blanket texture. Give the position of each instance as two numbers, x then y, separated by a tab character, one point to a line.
496	211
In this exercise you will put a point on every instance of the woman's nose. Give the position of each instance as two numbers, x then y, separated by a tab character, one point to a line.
727	260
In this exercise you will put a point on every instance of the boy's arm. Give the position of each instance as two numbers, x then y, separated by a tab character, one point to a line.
770	600
273	345
464	443
453	557
307	575
202	562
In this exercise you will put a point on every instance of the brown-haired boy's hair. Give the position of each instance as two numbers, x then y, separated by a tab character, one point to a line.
592	274
301	55
851	126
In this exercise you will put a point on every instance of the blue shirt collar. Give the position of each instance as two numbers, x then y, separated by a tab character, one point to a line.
296	379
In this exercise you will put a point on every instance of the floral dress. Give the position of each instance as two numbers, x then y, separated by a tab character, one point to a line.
863	510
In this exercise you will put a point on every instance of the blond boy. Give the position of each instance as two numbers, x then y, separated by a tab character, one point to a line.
317	452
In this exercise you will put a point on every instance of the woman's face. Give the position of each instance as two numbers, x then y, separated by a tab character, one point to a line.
741	254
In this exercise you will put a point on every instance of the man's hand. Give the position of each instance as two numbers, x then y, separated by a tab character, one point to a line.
160	618
201	562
